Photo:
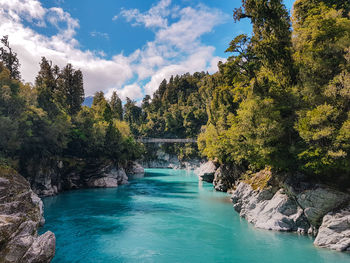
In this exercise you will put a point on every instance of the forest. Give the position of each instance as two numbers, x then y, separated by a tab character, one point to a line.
281	100
46	121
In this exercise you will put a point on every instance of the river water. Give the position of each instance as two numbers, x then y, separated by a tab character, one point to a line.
167	216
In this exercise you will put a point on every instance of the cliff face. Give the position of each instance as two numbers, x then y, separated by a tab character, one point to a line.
162	159
21	213
303	207
50	178
289	204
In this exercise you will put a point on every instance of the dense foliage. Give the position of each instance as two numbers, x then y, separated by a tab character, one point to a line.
282	98
46	121
177	110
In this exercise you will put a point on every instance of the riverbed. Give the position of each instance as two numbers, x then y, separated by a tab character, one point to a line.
167	216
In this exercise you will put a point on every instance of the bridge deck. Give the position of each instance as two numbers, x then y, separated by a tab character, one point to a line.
164	140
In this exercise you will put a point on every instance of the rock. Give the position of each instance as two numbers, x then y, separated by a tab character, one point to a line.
134	168
317	202
334	233
104	182
41	249
50	178
109	179
206	171
20	216
161	159
224	178
269	209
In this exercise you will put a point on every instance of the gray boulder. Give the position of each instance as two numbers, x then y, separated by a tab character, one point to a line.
334	233
134	168
20	216
109	179
225	177
269	209
317	202
206	171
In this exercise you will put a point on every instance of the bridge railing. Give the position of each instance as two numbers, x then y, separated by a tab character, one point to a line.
166	140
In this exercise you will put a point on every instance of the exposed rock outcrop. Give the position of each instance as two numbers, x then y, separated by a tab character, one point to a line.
334	233
134	168
317	202
160	159
108	179
269	209
206	171
20	216
53	177
295	207
225	177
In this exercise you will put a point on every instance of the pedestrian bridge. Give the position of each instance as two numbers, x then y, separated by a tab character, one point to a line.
165	140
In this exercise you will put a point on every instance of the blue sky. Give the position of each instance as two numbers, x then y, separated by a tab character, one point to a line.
122	45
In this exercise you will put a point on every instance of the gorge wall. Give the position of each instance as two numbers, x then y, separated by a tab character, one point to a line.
21	214
286	204
52	177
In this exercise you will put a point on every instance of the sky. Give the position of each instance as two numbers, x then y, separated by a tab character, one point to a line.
122	45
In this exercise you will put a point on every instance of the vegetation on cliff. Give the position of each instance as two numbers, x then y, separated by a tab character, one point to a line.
47	121
284	93
281	100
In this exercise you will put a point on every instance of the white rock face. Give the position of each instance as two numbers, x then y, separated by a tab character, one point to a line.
104	182
334	232
111	179
20	216
206	171
319	201
270	210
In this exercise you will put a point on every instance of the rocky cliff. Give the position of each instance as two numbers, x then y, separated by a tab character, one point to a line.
223	177
303	207
21	213
52	177
162	159
285	203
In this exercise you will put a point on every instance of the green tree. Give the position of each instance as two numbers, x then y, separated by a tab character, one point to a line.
9	58
116	106
71	88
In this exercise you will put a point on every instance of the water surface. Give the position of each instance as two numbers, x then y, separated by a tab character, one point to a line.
168	216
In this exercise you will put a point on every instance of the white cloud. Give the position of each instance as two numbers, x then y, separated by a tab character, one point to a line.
18	9
132	91
176	48
99	34
154	17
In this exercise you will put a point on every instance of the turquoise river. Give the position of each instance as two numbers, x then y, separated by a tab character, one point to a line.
167	216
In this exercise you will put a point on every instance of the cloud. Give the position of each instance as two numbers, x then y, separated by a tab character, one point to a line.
176	48
154	17
99	34
132	91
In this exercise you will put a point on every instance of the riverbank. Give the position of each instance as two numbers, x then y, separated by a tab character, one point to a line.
286	204
21	214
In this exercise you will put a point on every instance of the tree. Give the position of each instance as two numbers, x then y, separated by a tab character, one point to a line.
9	58
101	107
46	85
72	89
116	106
